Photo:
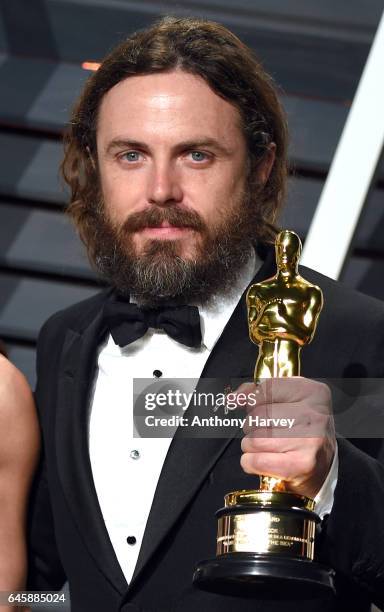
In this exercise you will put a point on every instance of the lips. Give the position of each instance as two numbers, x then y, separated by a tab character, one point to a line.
165	230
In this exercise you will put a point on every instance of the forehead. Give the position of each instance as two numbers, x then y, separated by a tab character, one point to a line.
174	104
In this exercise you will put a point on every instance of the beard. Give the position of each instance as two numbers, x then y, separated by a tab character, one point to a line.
158	273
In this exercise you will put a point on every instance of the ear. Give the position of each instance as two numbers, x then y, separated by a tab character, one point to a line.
264	167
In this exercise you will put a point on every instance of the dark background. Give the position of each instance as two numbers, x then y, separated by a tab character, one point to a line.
315	49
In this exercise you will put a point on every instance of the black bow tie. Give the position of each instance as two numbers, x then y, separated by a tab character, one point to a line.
127	322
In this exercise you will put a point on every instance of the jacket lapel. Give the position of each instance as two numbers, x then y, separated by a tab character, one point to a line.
78	368
232	358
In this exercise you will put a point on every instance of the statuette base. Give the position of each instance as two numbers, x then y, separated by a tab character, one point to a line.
249	574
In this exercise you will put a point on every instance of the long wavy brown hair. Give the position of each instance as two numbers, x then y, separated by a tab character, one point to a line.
202	48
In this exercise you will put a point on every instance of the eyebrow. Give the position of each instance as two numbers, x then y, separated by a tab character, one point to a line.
195	143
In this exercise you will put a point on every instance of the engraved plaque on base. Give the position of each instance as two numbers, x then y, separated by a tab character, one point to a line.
267	522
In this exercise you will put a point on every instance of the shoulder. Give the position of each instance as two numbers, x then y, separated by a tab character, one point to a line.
18	420
339	299
13	384
76	316
261	289
349	341
253	291
312	291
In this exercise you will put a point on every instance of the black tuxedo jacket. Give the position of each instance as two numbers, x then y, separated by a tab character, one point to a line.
68	538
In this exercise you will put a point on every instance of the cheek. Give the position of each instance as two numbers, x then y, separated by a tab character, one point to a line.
208	194
216	196
120	194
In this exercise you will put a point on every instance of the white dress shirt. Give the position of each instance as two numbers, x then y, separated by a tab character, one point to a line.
125	468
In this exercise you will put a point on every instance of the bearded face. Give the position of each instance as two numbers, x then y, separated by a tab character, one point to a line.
178	210
159	272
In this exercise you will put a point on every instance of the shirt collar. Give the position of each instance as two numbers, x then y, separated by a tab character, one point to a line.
215	315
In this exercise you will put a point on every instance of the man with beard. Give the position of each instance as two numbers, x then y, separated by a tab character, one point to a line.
176	160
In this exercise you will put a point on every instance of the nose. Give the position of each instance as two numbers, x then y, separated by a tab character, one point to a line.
164	186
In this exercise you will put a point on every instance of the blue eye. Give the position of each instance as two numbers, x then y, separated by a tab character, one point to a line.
198	156
131	156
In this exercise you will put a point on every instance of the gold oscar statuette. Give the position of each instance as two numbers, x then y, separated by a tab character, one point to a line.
265	537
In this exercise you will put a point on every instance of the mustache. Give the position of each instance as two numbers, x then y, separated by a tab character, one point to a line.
155	216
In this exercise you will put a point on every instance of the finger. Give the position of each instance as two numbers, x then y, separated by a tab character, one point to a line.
287	466
275	445
250	444
246	387
274	415
285	390
287	420
245	396
293	390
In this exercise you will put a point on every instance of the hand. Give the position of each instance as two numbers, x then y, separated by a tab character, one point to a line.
300	455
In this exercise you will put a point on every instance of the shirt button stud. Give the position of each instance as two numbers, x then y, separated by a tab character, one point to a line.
131	540
134	454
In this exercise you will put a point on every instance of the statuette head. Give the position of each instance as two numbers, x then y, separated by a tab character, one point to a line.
288	250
